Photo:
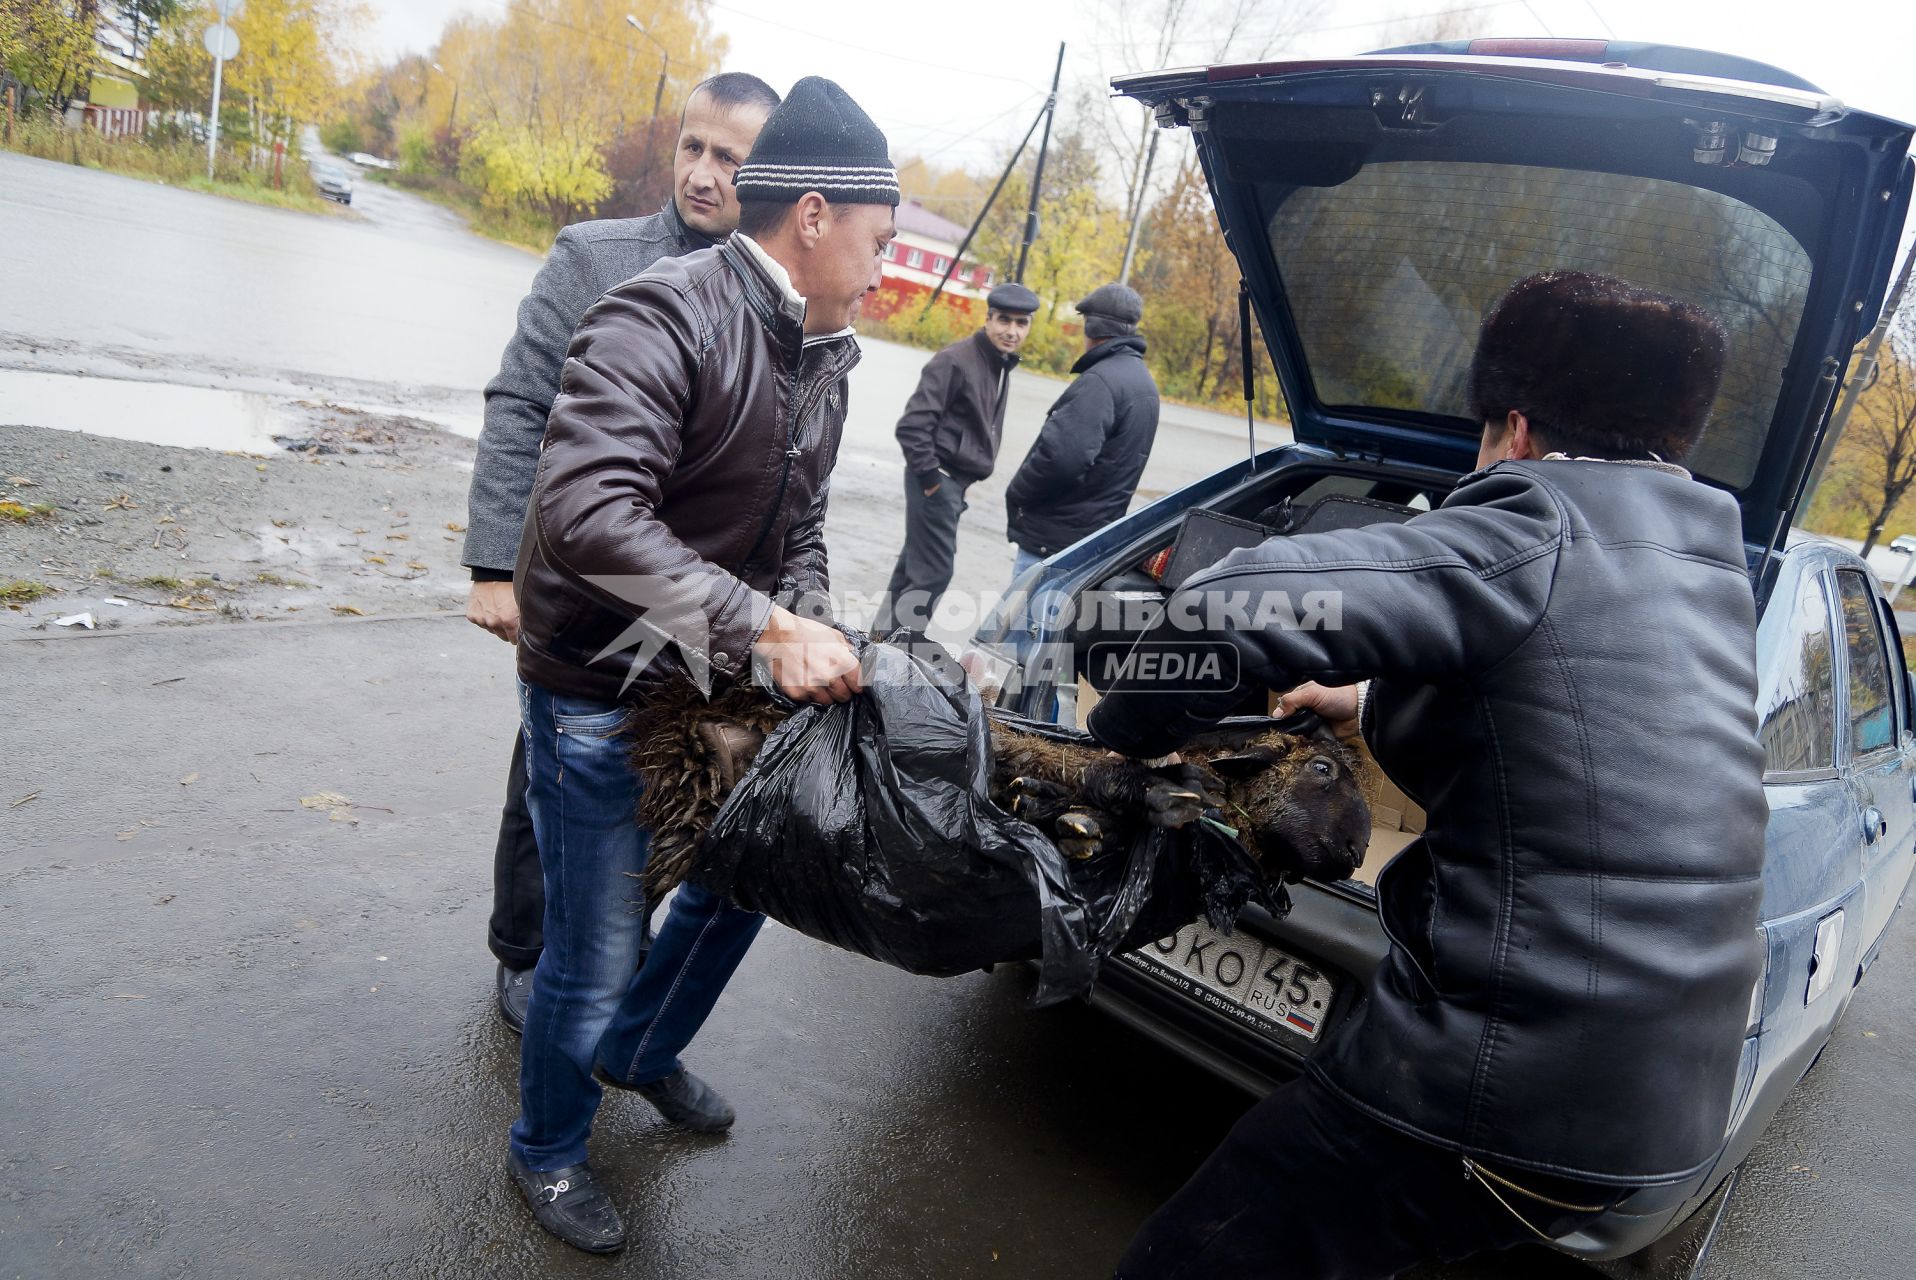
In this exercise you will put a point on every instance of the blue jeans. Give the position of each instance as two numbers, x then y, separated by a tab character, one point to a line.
588	1005
1024	560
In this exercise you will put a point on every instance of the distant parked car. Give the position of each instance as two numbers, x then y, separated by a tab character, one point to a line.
366	160
333	182
1376	206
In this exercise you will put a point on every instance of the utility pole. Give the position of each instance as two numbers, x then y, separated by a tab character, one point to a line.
1137	211
1037	175
1861	377
453	113
665	64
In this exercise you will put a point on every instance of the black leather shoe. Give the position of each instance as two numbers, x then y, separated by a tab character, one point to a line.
682	1098
571	1205
515	990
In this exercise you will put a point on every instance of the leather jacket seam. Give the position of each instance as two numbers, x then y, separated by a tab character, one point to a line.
1593	831
1535	1166
1500	937
1645	877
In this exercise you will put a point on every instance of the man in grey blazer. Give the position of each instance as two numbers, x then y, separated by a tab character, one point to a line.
721	121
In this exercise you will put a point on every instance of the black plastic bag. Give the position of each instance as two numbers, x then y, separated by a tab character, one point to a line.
868	824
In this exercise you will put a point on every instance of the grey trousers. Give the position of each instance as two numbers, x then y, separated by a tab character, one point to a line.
924	567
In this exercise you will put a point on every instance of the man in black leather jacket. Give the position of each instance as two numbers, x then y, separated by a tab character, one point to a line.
1562	672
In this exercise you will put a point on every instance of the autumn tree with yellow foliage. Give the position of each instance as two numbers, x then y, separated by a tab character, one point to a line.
536	114
48	46
287	75
1873	469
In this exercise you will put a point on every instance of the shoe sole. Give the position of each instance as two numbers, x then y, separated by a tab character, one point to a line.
517	1025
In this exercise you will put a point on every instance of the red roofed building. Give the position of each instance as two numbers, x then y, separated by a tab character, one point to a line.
917	259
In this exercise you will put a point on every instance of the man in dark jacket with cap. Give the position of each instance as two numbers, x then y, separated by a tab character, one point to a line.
676	522
950	432
1085	464
1561	661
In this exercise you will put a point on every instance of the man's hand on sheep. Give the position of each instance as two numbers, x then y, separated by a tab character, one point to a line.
807	661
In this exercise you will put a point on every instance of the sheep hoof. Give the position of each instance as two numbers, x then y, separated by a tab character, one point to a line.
1078	835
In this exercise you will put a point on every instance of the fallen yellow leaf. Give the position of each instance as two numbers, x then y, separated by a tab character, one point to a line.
349	610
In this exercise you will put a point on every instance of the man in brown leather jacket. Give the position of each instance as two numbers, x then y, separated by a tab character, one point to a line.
678	511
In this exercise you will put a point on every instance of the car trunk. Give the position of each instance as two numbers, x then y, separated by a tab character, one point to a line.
1378	205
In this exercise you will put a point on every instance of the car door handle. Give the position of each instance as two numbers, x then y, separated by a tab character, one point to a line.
1875	825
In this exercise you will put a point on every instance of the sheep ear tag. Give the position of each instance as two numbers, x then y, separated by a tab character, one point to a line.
1238	768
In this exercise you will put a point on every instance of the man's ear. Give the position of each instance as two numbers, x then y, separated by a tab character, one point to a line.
1523	445
812	219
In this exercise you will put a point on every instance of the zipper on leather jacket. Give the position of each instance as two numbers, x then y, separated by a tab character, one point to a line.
792	451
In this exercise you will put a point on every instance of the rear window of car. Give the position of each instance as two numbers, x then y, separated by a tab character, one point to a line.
1796	695
1389	275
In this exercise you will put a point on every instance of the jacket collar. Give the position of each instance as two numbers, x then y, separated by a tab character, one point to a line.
687	238
1108	348
1653	462
993	357
779	306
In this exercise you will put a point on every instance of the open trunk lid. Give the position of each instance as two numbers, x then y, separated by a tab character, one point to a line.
1379	204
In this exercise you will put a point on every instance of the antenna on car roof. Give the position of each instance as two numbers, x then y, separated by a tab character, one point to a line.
1250	370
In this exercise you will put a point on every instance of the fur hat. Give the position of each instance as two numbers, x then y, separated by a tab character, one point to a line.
1601	368
1111	311
818	139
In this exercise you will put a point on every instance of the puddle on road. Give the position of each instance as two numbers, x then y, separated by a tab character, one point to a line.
153	412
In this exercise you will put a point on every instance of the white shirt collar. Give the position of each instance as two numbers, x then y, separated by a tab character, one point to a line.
789	297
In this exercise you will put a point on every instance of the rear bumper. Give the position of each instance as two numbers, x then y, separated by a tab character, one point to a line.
1326	927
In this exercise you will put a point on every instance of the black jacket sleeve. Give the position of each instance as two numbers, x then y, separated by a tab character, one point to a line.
1443	596
918	427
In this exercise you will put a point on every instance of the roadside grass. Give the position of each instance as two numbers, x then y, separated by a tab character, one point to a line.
25	512
518	228
173	163
164	582
23	591
1909	652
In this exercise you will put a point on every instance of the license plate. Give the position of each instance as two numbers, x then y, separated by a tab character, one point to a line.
1242	977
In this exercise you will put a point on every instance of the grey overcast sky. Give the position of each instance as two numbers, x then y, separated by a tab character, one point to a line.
959	82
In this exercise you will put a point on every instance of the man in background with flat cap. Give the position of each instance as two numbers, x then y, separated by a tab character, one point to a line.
950	433
1085	464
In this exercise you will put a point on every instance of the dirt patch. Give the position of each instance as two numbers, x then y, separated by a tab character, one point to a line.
363	515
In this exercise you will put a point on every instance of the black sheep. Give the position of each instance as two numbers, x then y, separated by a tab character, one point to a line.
1296	801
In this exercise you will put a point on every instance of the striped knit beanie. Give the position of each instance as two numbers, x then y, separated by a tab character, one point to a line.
818	139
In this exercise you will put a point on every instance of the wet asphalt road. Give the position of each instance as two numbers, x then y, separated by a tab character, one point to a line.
245	1038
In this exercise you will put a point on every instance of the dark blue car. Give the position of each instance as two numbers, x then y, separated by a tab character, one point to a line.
1376	206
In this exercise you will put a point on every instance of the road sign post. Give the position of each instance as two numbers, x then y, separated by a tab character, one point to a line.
222	42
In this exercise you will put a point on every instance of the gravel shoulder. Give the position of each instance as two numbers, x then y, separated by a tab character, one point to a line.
363	514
